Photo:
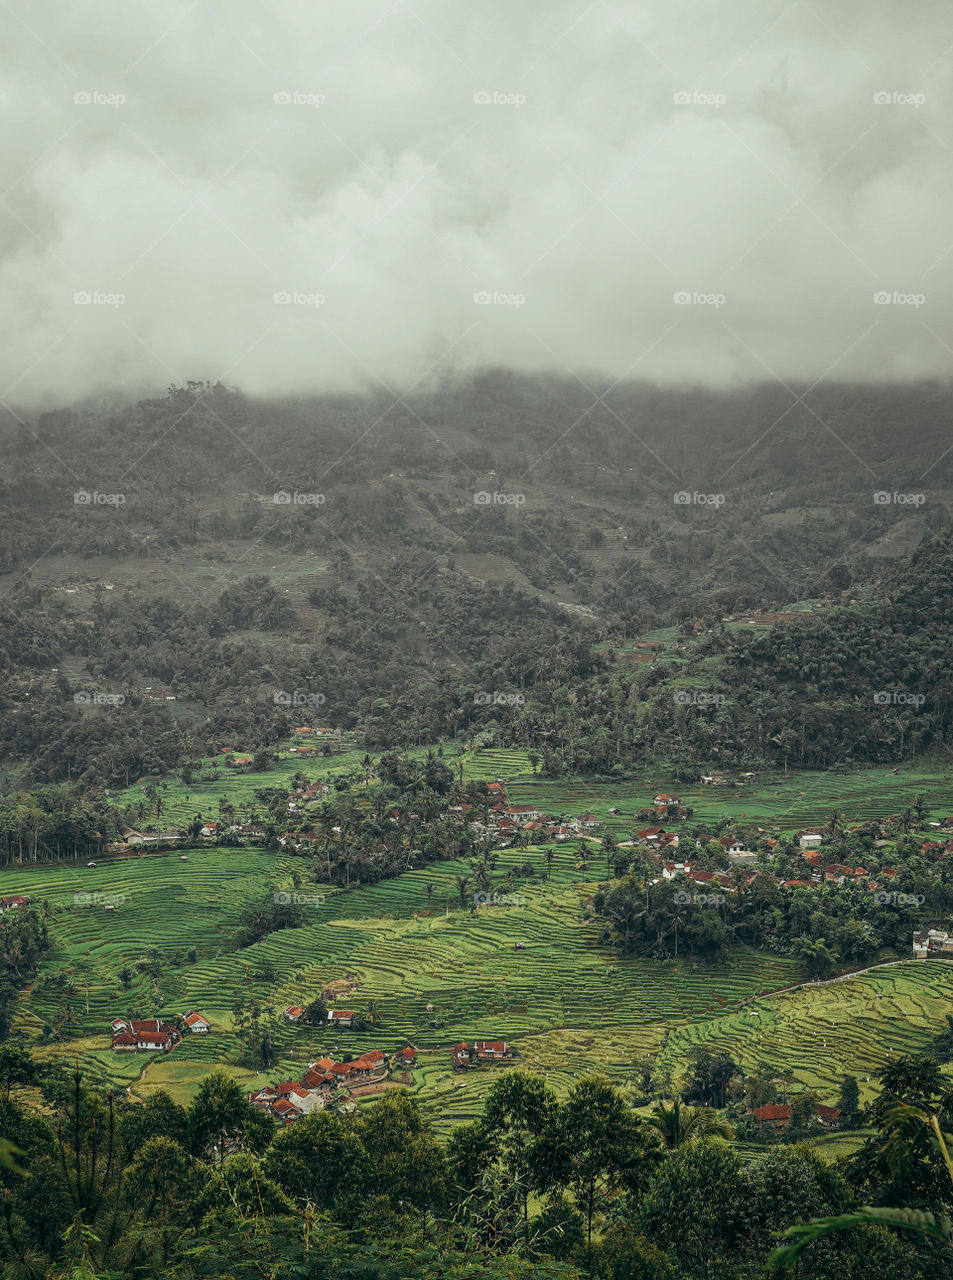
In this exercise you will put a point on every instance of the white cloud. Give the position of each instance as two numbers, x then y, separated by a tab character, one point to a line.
584	185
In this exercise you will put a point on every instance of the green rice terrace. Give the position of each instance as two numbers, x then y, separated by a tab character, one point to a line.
564	1000
567	1003
786	802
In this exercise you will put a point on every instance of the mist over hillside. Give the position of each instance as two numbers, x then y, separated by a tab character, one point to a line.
508	532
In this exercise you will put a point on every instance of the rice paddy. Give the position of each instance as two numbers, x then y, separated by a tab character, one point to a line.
567	1003
565	1000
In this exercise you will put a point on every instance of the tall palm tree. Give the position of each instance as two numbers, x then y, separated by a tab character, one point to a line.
901	1120
679	1124
462	882
920	809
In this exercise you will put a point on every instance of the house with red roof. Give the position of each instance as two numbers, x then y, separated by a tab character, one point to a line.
341	1017
316	1080
772	1114
285	1110
460	1056
406	1057
829	1117
197	1025
491	1049
263	1097
146	1036
11	903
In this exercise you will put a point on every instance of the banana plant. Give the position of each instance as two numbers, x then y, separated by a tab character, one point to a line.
900	1118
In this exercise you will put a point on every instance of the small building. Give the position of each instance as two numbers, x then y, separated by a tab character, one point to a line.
731	844
742	858
810	840
406	1057
492	1049
772	1115
460	1056
340	1017
829	1117
285	1110
196	1024
12	903
374	1059
293	1013
263	1097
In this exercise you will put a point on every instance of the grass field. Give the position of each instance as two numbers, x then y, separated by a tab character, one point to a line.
566	1002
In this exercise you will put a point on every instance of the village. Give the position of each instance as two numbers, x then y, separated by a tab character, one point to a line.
329	1082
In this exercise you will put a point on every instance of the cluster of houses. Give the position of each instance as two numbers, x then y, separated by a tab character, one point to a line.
151	1035
503	821
666	843
936	944
325	1082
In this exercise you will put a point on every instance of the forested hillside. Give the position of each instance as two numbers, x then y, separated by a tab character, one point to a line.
174	565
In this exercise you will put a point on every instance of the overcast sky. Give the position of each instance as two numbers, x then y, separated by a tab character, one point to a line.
390	165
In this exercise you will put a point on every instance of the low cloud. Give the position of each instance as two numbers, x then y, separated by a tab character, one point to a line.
316	197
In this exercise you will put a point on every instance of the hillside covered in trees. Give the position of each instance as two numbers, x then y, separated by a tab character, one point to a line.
470	563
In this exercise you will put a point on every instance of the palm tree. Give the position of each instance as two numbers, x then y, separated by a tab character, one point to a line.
920	809
462	882
901	1119
373	1014
679	1124
428	890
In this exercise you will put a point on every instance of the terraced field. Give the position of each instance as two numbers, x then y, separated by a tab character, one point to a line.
566	1002
801	799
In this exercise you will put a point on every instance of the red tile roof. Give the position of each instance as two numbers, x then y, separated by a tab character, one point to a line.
771	1111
